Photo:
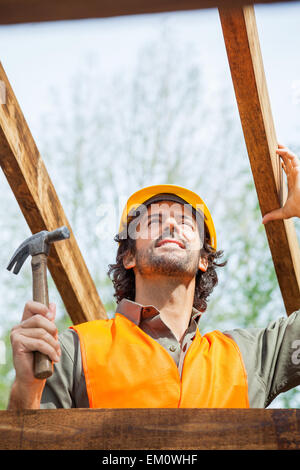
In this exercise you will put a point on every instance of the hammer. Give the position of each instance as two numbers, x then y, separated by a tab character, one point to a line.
38	246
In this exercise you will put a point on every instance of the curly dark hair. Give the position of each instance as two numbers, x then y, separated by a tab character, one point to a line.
124	279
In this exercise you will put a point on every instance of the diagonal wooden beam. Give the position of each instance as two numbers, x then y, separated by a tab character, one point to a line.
28	11
28	178
247	71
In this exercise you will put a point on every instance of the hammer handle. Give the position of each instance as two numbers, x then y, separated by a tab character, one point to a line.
43	366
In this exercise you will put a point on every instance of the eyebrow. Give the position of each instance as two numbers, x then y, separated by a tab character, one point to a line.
159	215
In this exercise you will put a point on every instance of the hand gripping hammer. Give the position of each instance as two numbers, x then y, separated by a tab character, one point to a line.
38	246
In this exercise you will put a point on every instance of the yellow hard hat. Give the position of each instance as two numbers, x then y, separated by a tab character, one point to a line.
143	196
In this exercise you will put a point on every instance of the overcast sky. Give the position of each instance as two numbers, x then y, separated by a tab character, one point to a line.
38	56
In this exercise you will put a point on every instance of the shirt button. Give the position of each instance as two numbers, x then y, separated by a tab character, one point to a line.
172	348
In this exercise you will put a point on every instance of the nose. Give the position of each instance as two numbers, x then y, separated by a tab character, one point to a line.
170	226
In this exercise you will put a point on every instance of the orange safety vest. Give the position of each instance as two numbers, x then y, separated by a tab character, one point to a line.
126	368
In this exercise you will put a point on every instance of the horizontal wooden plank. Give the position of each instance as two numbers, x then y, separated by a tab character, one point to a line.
248	76
24	11
207	429
29	180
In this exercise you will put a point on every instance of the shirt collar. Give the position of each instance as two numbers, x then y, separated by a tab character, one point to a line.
136	312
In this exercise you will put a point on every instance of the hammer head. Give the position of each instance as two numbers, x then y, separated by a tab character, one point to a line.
36	244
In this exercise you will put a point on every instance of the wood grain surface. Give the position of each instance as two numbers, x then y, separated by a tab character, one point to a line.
248	76
22	11
209	429
30	182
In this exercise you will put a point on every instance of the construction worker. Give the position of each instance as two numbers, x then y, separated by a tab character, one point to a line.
152	354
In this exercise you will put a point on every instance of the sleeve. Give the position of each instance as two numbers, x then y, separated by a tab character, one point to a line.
66	387
271	357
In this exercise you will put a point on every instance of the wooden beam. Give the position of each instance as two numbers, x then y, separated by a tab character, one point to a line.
28	11
202	429
247	71
28	178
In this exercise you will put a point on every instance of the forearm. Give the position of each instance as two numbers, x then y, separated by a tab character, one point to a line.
23	397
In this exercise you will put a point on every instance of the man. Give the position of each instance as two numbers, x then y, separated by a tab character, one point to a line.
151	354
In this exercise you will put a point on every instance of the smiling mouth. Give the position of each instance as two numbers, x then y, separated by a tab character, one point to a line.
168	240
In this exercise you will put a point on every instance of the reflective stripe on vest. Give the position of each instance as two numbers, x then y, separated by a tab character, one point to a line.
126	368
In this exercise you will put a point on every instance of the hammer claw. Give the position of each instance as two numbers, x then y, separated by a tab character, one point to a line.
18	259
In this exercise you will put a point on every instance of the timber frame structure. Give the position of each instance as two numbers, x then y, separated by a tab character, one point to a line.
29	180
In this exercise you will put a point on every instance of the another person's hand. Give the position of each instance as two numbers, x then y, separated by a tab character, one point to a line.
291	166
36	332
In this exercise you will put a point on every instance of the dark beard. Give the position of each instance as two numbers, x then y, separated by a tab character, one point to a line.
168	264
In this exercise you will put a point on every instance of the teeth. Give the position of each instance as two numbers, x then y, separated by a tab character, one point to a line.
170	243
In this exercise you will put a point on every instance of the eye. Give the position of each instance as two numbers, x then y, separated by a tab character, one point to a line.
153	221
188	223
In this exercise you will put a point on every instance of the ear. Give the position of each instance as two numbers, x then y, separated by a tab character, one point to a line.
129	260
203	264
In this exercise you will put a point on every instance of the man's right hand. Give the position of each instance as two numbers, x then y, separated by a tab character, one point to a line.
36	332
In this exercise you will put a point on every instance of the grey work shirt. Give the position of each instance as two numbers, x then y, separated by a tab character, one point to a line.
271	356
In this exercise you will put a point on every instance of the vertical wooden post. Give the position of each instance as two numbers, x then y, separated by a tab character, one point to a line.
247	71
